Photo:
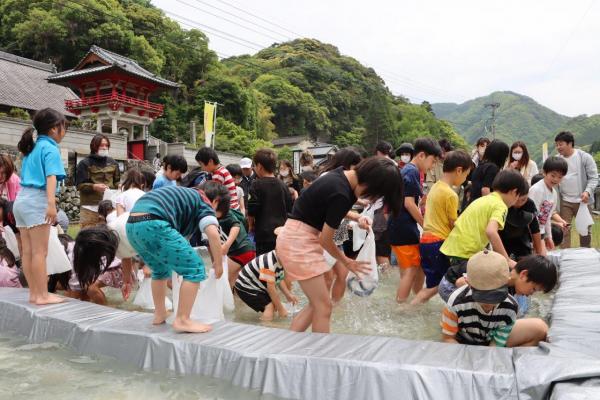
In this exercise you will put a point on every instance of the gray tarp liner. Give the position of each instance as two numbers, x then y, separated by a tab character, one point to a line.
317	366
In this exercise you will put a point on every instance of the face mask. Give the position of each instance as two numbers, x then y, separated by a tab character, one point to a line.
306	168
517	156
103	153
284	173
481	152
405	159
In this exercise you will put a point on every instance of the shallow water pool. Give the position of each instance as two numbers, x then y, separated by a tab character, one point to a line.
50	371
378	314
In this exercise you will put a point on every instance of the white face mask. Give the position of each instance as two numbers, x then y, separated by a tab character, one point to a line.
517	156
284	173
481	151
306	168
103	152
405	158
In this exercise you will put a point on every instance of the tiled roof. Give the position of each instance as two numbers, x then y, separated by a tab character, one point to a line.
23	84
113	60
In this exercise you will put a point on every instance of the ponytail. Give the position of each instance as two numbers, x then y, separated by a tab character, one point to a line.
26	143
43	121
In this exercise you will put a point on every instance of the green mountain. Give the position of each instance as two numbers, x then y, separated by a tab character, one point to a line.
517	118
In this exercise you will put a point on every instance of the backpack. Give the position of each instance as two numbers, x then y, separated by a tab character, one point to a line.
195	178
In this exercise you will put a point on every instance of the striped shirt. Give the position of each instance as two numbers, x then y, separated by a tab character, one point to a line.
223	176
254	276
184	208
465	319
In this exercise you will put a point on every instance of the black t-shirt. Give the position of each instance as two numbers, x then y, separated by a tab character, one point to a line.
326	201
520	224
269	202
483	176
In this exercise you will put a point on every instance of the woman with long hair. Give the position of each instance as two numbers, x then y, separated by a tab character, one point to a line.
519	159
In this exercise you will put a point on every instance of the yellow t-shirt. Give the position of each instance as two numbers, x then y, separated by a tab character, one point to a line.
468	236
441	208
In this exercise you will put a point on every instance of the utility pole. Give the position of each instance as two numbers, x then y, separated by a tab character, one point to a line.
492	120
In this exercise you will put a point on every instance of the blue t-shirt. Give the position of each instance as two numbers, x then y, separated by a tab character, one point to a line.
403	228
43	161
184	208
162	181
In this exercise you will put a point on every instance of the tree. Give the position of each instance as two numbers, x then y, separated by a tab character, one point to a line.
379	124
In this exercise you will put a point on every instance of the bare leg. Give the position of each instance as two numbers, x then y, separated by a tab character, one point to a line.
159	292
303	319
419	281
26	263
329	277
268	313
339	285
234	271
527	332
318	297
96	294
38	238
424	295
187	296
407	279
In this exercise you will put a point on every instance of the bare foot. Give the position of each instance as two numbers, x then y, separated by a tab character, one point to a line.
159	319
49	299
190	326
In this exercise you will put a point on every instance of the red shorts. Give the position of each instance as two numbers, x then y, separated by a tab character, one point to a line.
244	258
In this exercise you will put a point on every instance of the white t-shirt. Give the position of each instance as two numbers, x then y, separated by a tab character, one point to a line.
128	198
545	200
124	250
569	187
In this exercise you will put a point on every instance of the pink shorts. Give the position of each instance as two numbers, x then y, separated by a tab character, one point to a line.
299	251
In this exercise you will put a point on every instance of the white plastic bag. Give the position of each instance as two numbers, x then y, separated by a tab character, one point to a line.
583	220
57	260
144	299
329	259
11	241
111	194
369	282
359	235
214	297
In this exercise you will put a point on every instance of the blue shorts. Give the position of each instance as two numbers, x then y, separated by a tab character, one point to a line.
164	249
30	207
434	263
445	289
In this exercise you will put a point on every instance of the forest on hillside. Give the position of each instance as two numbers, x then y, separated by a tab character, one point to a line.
301	87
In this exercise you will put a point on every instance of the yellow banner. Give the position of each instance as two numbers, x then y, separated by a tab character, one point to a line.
544	151
209	123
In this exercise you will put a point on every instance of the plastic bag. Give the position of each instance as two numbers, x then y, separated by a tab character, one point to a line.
57	260
11	241
583	220
111	194
214	297
368	283
143	297
359	235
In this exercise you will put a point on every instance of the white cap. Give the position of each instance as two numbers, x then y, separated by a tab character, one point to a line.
246	162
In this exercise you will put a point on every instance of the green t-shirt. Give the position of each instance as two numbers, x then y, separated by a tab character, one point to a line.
468	235
242	243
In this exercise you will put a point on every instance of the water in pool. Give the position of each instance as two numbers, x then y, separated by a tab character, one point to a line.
50	371
377	314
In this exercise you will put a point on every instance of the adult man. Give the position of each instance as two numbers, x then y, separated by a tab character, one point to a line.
247	176
578	185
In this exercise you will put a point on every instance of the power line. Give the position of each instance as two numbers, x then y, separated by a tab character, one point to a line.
228	20
259	17
244	19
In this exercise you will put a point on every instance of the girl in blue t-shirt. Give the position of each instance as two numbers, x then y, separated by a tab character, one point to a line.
35	206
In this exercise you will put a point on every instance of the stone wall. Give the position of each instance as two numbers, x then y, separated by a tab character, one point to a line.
68	201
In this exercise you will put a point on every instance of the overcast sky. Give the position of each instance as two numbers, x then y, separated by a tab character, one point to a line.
441	51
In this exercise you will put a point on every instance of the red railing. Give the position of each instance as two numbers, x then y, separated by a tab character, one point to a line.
114	101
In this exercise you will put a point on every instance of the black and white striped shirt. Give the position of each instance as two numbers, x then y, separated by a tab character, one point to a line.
254	276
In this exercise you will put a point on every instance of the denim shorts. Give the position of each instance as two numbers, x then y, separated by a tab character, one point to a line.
30	207
445	289
164	250
435	264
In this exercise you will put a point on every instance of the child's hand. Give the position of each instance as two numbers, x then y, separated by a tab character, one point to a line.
51	214
218	270
359	268
549	243
147	272
292	299
364	222
224	250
